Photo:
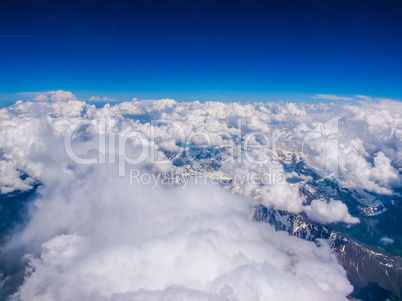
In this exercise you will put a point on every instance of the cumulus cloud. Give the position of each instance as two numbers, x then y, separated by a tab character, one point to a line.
104	99
218	120
127	241
93	236
41	97
331	212
386	240
11	178
56	96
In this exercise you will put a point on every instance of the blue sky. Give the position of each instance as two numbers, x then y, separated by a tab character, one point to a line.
207	50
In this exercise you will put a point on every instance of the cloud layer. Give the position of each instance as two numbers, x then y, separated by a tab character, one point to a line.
115	241
93	236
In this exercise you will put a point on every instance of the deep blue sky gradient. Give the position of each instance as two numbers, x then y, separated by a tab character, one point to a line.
202	49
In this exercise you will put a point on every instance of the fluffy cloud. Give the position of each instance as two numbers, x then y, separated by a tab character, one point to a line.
386	240
41	97
11	178
331	212
93	236
105	99
360	134
124	242
56	96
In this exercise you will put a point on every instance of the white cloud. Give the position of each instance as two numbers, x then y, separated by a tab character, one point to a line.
10	178
375	100
61	95
386	240
90	232
326	213
56	96
386	99
125	241
104	99
41	97
332	97
364	97
92	236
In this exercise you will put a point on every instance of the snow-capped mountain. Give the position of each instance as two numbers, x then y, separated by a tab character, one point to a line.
372	268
